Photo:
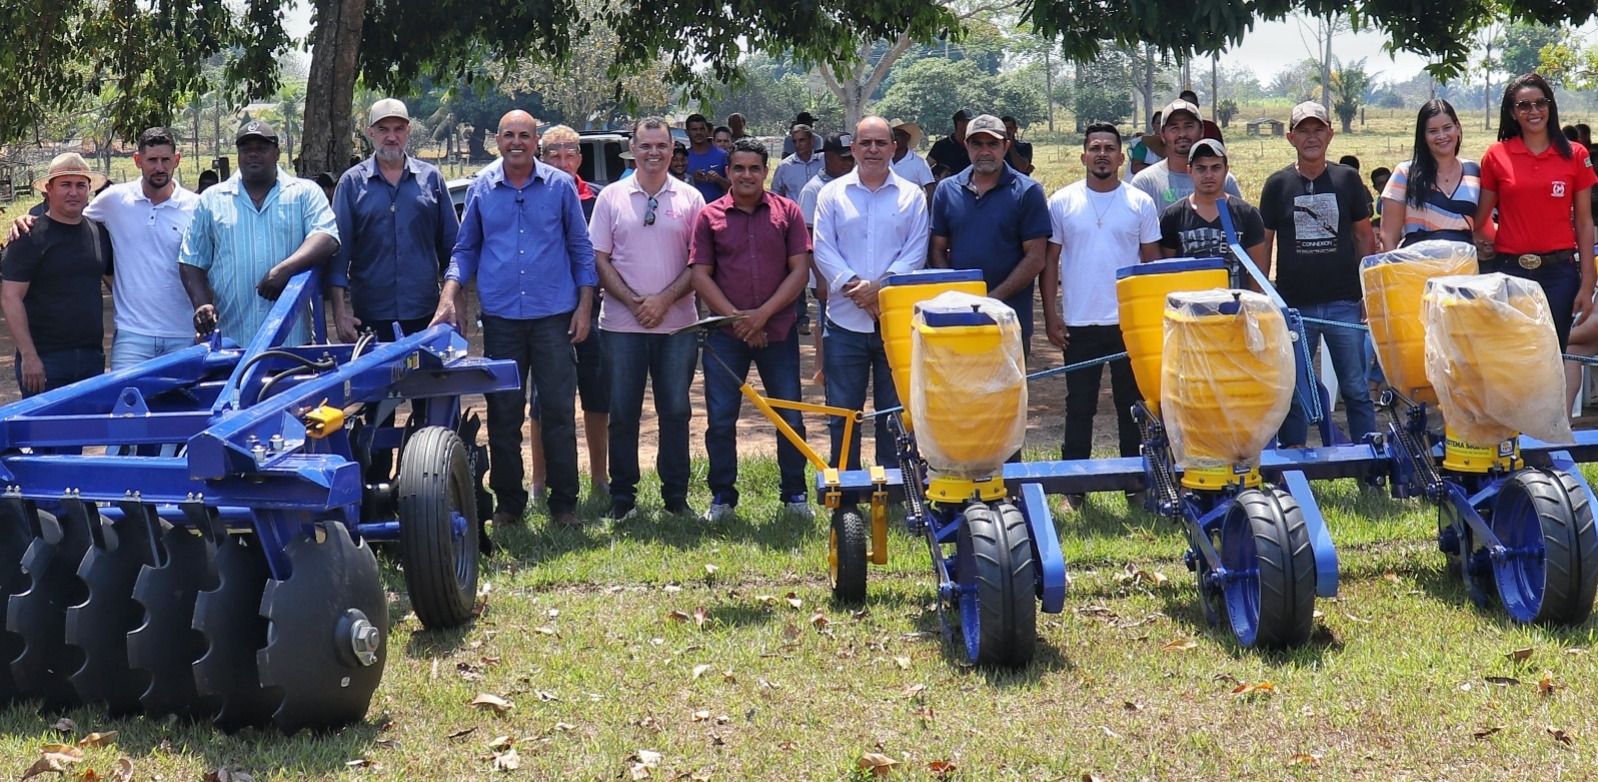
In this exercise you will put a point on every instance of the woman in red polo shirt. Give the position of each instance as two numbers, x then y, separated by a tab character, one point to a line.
1539	182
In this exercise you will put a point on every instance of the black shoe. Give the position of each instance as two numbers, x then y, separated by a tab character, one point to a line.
621	509
681	508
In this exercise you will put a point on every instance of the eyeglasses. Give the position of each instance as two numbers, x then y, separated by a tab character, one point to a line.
1527	106
649	214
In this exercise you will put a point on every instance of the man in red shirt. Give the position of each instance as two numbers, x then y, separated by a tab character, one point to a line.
750	256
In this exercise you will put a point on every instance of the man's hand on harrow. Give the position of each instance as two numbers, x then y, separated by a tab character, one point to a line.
348	327
204	321
272	284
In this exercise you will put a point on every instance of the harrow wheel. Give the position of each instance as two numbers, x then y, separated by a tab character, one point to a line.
39	615
228	617
19	523
997	581
846	555
163	649
438	527
1544	519
329	631
1270	584
97	628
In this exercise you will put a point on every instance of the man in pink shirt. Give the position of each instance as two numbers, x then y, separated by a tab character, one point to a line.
640	232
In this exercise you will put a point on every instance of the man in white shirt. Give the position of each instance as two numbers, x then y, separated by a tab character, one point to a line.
796	169
870	223
146	219
1100	225
1168	181
906	163
640	231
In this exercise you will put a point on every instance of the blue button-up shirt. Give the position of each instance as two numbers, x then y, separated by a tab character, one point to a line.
397	240
527	246
237	244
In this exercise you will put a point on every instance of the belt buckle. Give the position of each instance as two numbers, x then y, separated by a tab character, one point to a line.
1530	261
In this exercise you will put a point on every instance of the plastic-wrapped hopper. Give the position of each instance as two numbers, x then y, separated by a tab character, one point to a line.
1493	357
1394	283
968	399
1228	376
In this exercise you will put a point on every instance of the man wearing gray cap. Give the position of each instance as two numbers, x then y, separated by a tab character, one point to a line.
1317	216
249	236
1168	181
397	225
1192	227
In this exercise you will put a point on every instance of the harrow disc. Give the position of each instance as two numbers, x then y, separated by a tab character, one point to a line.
97	629
163	649
228	617
19	523
39	615
329	632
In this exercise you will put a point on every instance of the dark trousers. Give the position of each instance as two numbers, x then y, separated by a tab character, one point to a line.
545	360
65	367
778	365
382	459
852	360
1082	391
1560	283
633	360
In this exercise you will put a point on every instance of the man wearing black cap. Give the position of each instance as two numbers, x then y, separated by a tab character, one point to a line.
950	150
1168	181
249	236
1192	227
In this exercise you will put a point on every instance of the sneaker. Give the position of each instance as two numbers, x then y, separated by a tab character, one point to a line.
719	512
621	509
681	508
799	507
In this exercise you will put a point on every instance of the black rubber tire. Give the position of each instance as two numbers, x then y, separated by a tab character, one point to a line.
1570	543
846	558
997	576
435	483
1285	595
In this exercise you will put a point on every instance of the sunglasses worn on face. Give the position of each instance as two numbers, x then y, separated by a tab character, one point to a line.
1526	106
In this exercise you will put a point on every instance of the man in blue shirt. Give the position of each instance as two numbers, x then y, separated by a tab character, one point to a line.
398	227
707	163
992	218
524	240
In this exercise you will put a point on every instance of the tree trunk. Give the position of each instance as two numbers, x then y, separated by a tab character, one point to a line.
477	144
1326	67
325	144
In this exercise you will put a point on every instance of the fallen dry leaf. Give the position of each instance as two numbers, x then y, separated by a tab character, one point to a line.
564	726
507	760
462	733
942	768
1252	689
1560	735
1485	731
64	725
1180	645
1547	686
1391	576
358	763
791	632
1518	655
546	696
819	620
1503	681
787	746
677	616
766	599
793	600
699	776
490	702
728	677
1303	759
877	763
545	630
641	762
123	772
1131	705
63	752
701	616
699	670
914	690
701	715
902	662
710	570
1091	778
501	743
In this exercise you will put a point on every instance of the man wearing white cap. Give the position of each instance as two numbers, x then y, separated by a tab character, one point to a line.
397	225
1168	181
906	163
52	277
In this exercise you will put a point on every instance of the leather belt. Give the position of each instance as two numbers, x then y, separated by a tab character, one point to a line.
1531	261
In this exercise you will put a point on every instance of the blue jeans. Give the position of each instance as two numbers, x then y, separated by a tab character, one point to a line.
64	367
544	360
778	364
852	360
128	348
1350	363
632	360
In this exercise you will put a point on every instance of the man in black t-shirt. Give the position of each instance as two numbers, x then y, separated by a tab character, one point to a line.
1317	216
51	289
950	150
1192	227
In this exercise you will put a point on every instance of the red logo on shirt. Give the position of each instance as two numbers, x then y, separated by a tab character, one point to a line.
1559	189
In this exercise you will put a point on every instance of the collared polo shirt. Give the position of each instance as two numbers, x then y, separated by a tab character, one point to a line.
526	246
1536	194
148	290
237	244
868	234
748	252
396	239
807	196
647	257
793	172
986	232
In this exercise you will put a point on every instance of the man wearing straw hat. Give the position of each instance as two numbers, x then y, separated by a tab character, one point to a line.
51	289
906	163
249	236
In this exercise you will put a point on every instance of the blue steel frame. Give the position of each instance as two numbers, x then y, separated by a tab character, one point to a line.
251	462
